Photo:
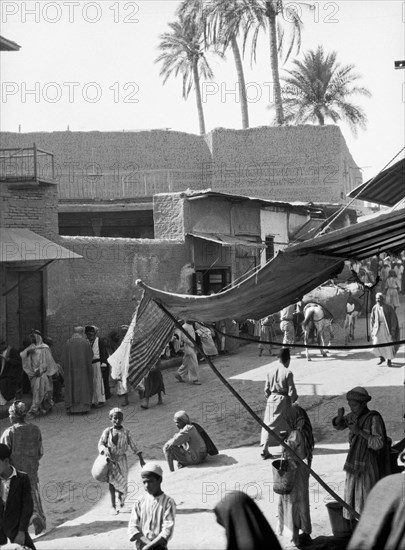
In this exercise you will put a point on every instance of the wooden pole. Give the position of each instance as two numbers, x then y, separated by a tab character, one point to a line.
257	418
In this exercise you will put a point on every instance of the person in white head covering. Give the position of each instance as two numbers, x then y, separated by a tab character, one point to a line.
39	366
152	519
187	446
384	328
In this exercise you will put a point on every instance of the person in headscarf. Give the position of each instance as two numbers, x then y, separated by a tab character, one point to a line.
245	526
78	371
190	445
153	384
281	393
368	459
293	508
100	390
384	329
25	443
114	443
40	366
382	522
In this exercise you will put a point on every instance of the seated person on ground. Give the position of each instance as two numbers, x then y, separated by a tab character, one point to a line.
190	445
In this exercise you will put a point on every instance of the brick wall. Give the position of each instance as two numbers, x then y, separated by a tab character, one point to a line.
308	163
100	289
34	208
292	163
109	165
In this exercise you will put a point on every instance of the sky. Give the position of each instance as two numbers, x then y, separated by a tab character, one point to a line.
89	65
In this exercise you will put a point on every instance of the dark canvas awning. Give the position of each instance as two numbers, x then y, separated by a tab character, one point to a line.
387	188
226	240
23	245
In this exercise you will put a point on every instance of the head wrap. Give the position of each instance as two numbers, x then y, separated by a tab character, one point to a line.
152	468
38	337
244	523
115	410
17	409
378	295
78	330
182	415
358	394
124	327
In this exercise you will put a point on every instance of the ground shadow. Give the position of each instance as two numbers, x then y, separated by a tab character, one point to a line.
325	451
328	543
83	529
192	511
216	461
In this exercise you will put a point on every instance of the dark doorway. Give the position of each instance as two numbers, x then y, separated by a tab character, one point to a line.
25	305
212	280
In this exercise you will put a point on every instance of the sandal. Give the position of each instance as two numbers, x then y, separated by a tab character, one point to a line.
197	383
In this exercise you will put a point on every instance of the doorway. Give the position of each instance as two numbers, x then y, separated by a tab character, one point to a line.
25	305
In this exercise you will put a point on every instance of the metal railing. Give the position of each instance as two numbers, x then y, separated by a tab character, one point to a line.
27	164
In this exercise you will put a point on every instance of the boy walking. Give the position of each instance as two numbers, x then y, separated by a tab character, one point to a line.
152	519
16	504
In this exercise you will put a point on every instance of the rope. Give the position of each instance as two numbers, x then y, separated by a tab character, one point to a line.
351	510
309	346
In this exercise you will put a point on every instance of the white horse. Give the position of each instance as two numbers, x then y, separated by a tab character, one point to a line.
316	317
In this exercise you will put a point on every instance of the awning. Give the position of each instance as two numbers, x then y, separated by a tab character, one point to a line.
23	245
387	188
226	240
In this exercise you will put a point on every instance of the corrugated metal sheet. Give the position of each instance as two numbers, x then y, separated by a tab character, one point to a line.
387	188
23	245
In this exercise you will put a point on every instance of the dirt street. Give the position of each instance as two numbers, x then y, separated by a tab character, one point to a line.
77	507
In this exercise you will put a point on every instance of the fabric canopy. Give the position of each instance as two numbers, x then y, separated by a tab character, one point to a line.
283	281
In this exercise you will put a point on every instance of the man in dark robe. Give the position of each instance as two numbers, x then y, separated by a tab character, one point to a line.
77	366
10	372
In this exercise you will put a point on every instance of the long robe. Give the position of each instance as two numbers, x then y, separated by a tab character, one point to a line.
40	366
118	472
25	442
359	483
280	382
384	329
293	508
76	361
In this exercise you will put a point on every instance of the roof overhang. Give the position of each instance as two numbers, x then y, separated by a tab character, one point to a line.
226	240
387	188
22	245
8	45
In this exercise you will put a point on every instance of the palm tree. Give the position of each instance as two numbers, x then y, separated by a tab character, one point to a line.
266	14
222	20
183	53
320	88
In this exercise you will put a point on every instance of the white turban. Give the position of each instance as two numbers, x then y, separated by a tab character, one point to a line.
152	468
182	415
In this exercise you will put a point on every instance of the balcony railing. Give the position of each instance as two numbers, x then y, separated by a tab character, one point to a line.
27	165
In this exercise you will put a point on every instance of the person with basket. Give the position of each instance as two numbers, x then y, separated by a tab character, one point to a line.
293	507
113	445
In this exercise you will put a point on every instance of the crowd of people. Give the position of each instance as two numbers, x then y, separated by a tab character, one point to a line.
86	374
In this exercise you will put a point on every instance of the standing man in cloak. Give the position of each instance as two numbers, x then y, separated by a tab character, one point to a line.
76	361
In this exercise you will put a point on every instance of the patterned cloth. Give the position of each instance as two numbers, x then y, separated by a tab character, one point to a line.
117	442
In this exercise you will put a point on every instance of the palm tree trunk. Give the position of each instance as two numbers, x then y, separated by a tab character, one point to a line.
241	83
196	77
274	67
